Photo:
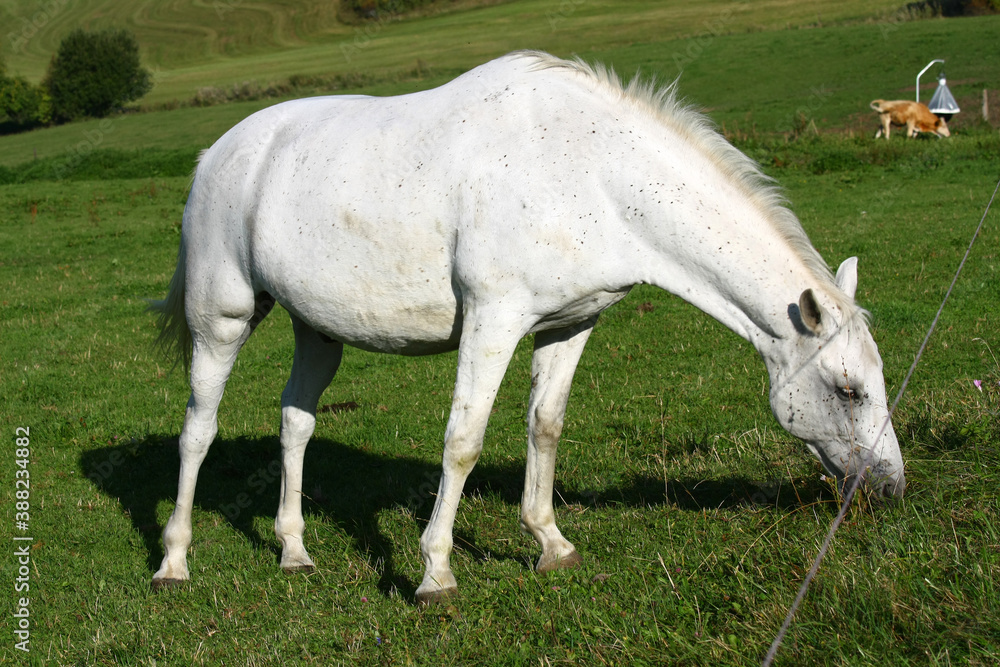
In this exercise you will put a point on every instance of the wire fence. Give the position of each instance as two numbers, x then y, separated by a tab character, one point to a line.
855	484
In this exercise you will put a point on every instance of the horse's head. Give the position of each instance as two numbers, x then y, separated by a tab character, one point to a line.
829	391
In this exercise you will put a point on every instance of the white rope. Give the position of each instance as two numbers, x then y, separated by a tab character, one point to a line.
773	651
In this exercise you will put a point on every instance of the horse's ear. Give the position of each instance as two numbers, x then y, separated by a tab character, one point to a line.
847	276
811	312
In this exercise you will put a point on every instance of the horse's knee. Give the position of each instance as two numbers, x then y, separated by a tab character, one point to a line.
546	424
461	454
297	425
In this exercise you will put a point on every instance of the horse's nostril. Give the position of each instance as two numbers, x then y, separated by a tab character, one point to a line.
894	487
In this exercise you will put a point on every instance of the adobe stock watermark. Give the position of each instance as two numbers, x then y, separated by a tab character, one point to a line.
223	8
425	149
363	37
766	493
420	493
695	46
27	28
22	539
892	22
566	9
797	121
261	479
883	201
257	482
92	138
102	471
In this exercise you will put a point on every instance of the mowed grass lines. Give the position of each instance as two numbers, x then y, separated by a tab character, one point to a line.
191	44
820	78
696	516
171	34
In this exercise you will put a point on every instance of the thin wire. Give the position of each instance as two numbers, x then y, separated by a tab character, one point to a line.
773	651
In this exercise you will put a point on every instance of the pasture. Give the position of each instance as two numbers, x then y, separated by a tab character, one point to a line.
189	44
696	516
752	82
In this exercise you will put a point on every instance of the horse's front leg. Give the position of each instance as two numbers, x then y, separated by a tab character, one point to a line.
552	367
483	355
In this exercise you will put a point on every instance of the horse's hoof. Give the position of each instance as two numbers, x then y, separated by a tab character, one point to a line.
299	569
571	559
442	596
160	584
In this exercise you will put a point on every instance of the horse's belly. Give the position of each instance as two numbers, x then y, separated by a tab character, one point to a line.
371	282
410	329
375	312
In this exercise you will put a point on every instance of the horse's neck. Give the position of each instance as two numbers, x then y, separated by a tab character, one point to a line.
715	248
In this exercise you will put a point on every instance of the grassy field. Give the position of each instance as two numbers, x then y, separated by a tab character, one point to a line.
695	514
191	43
823	76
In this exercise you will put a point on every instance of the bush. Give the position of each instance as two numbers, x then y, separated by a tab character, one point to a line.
95	73
242	92
371	9
950	8
24	104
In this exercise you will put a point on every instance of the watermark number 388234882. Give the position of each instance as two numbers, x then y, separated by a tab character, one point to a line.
22	539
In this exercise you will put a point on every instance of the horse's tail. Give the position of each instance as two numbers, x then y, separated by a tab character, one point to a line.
175	334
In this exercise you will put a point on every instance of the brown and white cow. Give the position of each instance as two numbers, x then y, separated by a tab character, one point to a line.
914	115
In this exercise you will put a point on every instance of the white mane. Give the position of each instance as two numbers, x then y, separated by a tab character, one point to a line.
662	103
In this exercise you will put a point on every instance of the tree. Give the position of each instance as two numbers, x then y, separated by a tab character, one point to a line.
95	73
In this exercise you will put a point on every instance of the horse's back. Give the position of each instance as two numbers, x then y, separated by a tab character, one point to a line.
372	218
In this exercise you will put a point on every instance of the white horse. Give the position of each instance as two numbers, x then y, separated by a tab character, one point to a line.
526	196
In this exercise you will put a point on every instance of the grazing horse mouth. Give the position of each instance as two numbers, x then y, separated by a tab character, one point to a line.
894	486
888	485
878	484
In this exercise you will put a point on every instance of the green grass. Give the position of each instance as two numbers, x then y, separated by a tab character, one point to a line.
696	515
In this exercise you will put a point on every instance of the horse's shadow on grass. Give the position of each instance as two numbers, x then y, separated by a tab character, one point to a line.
240	480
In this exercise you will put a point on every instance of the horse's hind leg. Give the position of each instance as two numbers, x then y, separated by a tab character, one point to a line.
217	340
552	367
316	361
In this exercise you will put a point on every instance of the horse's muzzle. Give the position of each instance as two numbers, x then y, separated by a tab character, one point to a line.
893	486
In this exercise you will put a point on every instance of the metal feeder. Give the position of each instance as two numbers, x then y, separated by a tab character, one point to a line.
942	103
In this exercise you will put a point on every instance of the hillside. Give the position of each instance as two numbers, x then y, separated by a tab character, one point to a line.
750	80
194	43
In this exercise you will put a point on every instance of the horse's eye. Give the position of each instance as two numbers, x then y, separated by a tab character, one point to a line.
846	393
